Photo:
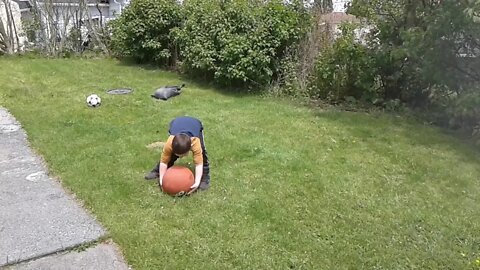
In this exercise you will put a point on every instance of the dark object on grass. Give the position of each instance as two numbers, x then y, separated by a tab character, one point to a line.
167	92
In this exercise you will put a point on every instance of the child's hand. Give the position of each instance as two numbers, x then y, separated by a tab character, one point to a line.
193	188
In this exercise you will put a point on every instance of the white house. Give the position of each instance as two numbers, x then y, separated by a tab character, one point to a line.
58	17
339	16
70	13
103	10
340	5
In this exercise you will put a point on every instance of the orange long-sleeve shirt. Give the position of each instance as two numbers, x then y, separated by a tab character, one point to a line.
196	149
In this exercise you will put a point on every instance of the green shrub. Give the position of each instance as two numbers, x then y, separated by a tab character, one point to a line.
239	42
143	31
458	111
420	45
344	70
464	112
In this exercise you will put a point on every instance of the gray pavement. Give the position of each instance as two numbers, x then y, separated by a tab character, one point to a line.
41	224
91	259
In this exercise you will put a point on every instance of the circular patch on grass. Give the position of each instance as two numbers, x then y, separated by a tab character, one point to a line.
120	91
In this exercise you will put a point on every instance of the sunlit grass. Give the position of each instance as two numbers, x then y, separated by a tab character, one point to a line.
292	187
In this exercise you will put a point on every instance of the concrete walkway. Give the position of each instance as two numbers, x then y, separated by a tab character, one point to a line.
40	224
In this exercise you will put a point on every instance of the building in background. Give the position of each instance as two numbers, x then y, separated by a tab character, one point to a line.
338	16
340	5
36	21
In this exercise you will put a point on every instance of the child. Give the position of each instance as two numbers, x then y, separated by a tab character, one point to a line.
186	134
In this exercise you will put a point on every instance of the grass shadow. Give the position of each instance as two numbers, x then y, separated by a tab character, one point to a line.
379	124
196	81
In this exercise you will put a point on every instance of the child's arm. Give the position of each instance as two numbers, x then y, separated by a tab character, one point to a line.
165	159
162	171
198	159
198	175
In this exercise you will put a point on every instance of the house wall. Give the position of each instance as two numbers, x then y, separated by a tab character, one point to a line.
111	11
105	11
67	19
17	20
117	6
339	5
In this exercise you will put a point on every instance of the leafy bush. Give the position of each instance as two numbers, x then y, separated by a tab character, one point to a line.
143	31
419	45
464	112
426	55
298	65
459	111
239	42
344	70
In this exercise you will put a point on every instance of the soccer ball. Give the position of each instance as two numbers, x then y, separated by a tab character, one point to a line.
93	100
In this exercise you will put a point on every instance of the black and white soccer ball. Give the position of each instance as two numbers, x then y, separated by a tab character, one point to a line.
94	100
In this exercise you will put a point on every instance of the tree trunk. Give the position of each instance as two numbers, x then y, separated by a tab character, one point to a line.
325	6
94	31
7	32
14	26
411	13
37	17
5	45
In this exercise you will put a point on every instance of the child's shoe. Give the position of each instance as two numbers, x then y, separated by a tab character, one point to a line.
152	175
204	183
203	186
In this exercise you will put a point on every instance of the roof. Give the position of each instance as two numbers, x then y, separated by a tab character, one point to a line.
23	4
336	18
76	2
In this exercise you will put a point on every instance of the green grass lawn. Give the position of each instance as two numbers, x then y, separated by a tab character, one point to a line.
292	187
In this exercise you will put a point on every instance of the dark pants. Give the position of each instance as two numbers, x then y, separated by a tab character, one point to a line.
206	164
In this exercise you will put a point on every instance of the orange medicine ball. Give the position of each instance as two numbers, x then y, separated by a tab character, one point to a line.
177	181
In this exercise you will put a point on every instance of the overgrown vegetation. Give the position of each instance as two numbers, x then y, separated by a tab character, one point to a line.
427	55
423	54
346	69
144	31
239	42
51	28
